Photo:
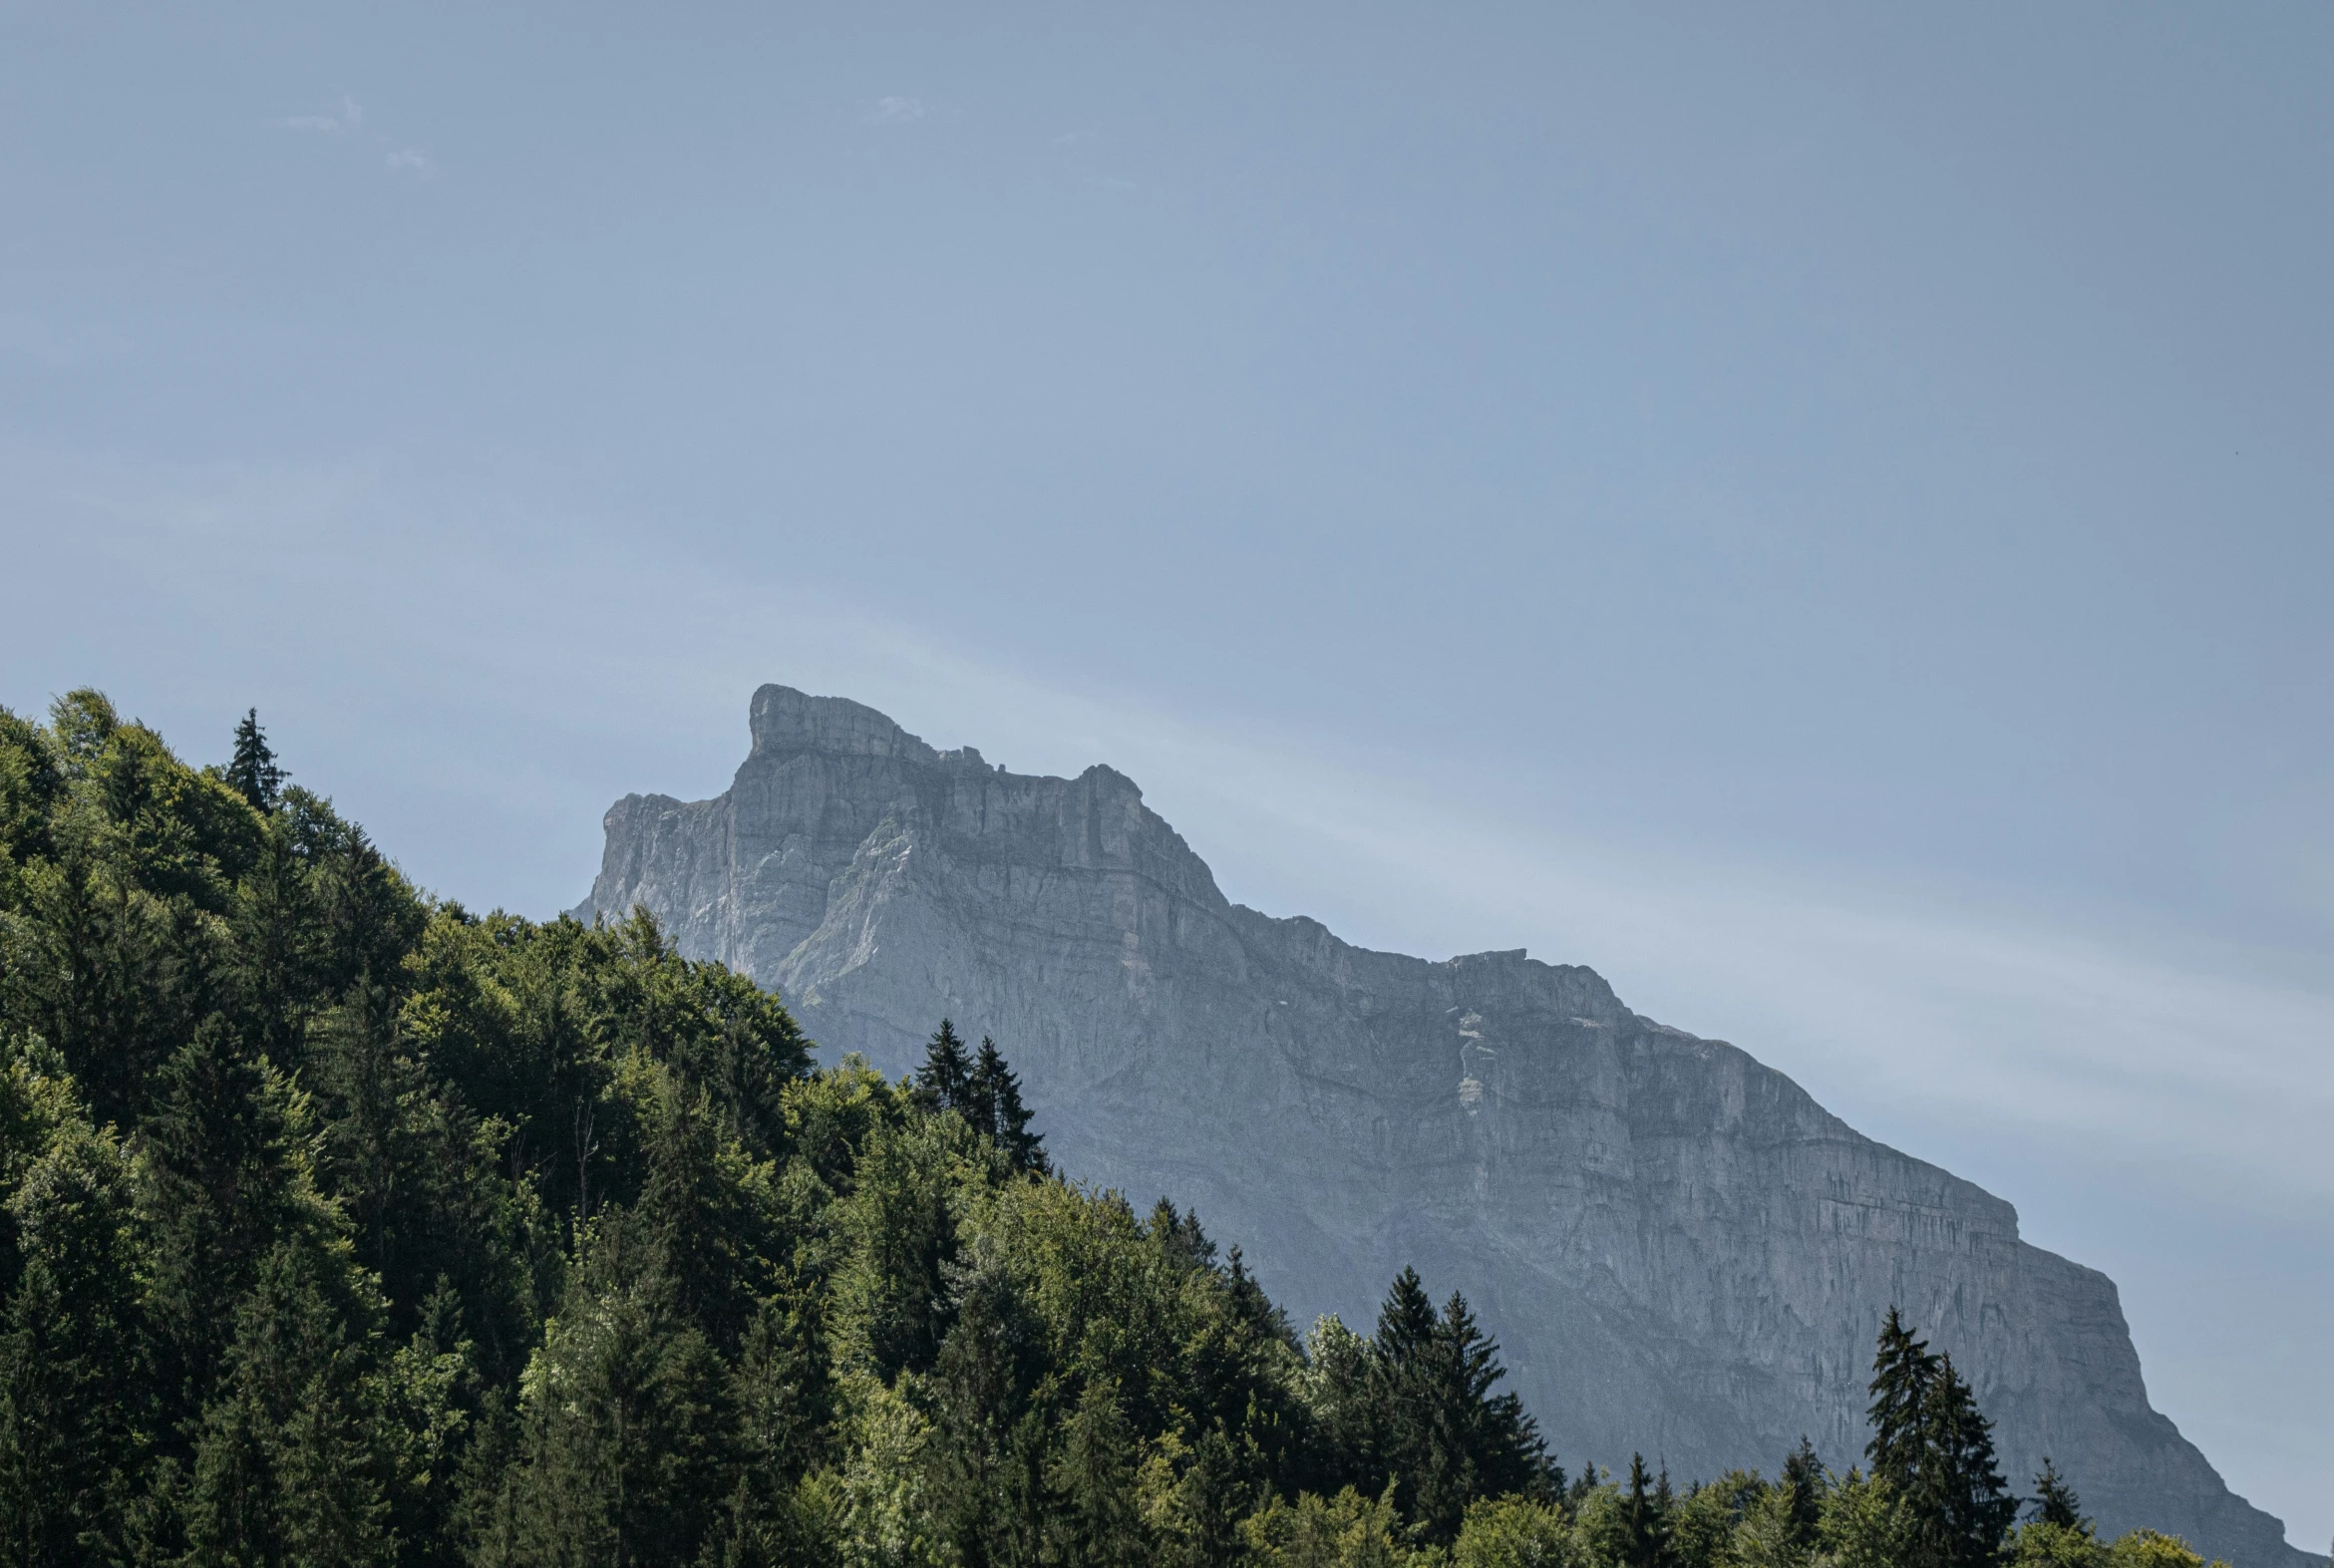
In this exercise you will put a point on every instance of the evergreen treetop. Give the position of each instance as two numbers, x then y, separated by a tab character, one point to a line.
945	1081
2055	1501
253	772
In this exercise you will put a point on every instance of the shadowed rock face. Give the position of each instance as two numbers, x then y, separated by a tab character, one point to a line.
1680	1251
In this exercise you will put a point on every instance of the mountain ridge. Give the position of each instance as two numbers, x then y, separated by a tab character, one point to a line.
1682	1251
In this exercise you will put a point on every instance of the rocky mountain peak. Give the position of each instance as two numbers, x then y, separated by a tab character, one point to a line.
784	719
1681	1252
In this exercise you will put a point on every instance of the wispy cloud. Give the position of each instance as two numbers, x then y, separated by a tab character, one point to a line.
349	121
898	110
350	117
1938	1025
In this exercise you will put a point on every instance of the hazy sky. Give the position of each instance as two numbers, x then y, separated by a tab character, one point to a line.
1827	515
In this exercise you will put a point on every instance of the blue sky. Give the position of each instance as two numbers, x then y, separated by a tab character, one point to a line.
1821	513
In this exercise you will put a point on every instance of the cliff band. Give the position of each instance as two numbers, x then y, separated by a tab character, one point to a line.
1680	1251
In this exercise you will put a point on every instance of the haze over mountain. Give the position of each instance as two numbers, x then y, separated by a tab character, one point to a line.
1681	1251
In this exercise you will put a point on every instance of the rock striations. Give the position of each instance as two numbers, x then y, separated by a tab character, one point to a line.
1680	1251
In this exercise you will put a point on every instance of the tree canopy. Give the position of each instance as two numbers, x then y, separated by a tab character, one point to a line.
343	1225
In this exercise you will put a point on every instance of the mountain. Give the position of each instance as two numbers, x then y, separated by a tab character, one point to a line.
1680	1251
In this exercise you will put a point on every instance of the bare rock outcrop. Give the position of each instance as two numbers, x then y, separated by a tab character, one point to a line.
1680	1251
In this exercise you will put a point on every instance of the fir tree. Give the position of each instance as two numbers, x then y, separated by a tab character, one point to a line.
2055	1501
1644	1521
1960	1500
253	772
1902	1370
1436	1423
1180	1235
224	1176
945	1081
1101	1523
1803	1473
1934	1449
993	1098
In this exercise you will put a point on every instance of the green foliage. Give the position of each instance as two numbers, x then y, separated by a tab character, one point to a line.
1933	1449
1344	1531
2055	1502
252	772
1515	1532
341	1226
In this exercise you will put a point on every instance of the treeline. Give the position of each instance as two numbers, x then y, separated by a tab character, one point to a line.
339	1225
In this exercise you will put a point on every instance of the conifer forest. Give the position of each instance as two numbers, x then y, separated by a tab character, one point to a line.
343	1225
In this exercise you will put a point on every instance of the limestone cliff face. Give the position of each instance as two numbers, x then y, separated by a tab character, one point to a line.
1680	1251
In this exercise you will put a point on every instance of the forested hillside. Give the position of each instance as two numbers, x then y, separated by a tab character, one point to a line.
345	1226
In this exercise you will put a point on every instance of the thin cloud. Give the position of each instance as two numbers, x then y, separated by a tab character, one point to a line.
350	117
897	111
408	159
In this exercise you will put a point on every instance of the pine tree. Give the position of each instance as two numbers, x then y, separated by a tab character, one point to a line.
1934	1449
70	1399
1803	1473
945	1081
1101	1523
993	1101
2055	1501
1435	1421
1180	1235
1902	1370
253	773
1961	1498
224	1174
1644	1521
627	1447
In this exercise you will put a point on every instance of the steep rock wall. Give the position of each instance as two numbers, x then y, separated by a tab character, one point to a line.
1680	1251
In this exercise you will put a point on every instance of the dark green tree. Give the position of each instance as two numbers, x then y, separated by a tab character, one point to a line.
1644	1518
223	1177
1935	1448
1099	1522
988	1471
1803	1472
993	1107
71	1399
2055	1501
253	772
1439	1430
293	1458
627	1447
945	1081
1902	1369
1960	1501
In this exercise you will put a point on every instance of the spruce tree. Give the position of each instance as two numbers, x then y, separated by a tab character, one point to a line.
253	772
1643	1522
1803	1473
993	1098
1180	1235
945	1081
1902	1370
1961	1499
2055	1501
70	1395
1435	1421
224	1174
1100	1522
